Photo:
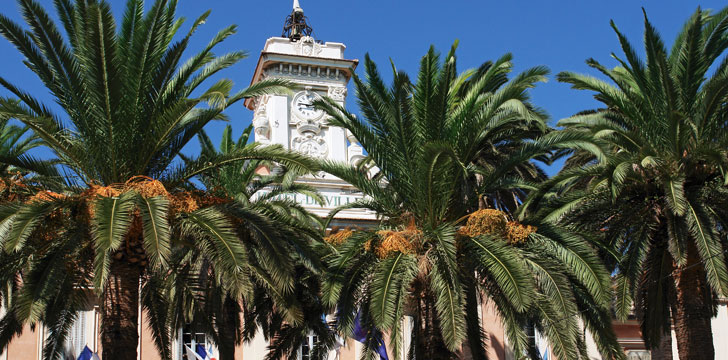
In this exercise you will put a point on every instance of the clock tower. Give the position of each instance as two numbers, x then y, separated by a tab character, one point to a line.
317	69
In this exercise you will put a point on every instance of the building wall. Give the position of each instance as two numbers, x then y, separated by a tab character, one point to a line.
147	350
256	349
27	346
493	327
720	331
630	336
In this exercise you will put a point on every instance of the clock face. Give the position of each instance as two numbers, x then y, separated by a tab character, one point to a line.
303	105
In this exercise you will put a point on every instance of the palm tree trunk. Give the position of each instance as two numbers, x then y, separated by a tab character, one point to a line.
429	342
693	311
120	312
662	350
228	330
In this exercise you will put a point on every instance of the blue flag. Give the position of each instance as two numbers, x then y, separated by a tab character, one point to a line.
86	354
201	351
360	335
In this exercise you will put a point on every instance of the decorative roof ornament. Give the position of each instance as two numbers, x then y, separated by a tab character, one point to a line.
296	25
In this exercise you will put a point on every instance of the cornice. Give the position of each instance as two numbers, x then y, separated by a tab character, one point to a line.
311	69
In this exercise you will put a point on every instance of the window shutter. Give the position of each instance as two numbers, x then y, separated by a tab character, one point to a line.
77	336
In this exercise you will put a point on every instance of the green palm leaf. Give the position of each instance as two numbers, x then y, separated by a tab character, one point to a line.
393	276
221	245
111	221
499	262
154	212
709	248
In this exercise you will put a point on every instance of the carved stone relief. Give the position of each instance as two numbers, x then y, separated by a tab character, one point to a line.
260	120
355	152
337	93
310	144
307	46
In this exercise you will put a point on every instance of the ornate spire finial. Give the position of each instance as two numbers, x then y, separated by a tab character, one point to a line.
296	25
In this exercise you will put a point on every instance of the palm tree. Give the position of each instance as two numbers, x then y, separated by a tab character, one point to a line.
16	162
280	236
128	105
437	252
15	144
659	197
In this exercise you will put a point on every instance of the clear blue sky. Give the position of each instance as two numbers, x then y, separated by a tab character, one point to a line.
558	34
